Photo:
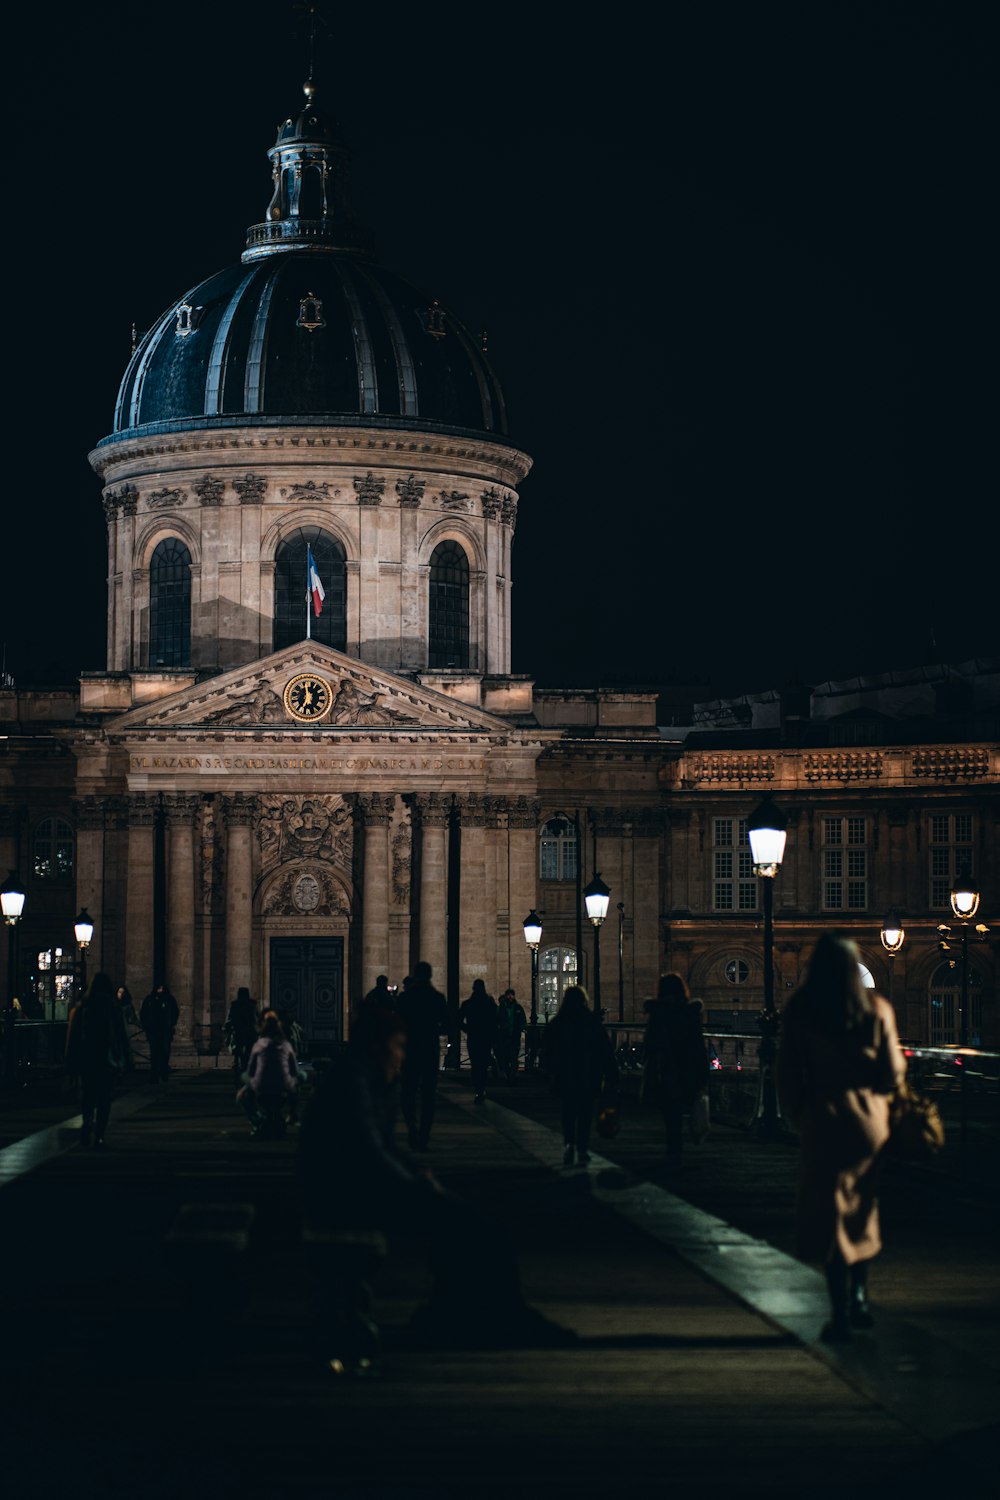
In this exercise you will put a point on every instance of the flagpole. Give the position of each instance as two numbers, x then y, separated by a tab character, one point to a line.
308	600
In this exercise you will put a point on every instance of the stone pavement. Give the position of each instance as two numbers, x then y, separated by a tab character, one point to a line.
134	1372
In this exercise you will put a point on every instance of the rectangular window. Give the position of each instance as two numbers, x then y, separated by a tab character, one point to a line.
951	841
734	886
845	864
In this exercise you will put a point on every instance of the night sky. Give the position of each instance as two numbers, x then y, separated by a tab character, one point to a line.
737	265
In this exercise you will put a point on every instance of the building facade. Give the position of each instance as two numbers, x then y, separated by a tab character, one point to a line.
256	793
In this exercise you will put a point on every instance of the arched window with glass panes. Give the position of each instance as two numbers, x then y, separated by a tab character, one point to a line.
556	972
557	853
448	622
170	604
292	597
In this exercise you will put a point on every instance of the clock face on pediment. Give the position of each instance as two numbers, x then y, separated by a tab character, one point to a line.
307	697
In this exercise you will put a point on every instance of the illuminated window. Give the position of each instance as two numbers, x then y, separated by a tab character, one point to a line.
53	985
734	886
556	972
557	850
845	864
52	850
448	632
950	854
170	605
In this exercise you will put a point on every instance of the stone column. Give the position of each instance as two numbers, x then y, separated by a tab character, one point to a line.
522	862
642	964
139	896
474	958
181	810
497	898
400	884
238	811
435	814
89	814
376	812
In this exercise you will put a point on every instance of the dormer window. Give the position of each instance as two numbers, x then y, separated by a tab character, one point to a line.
310	313
434	321
185	319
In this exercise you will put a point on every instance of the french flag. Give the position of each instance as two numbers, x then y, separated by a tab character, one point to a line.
316	589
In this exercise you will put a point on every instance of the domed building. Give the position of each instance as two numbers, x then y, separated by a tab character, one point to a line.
309	761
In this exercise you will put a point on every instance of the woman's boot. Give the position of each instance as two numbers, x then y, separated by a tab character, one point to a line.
859	1312
838	1330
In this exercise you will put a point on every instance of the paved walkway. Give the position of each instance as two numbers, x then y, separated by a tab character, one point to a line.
134	1372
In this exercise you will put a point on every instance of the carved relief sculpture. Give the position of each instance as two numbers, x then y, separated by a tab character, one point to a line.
491	500
410	492
210	490
262	705
251	489
165	499
303	827
369	489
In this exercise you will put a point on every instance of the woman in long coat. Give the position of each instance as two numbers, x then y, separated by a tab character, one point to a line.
675	1070
96	1049
838	1061
580	1059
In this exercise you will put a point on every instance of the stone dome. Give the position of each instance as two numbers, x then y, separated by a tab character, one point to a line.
308	328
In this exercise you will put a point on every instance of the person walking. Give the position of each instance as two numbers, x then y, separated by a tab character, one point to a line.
477	1017
424	1012
268	1096
96	1050
158	1016
839	1058
676	1068
581	1060
511	1026
241	1028
129	1020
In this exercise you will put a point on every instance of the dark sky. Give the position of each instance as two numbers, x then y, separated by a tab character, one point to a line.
737	263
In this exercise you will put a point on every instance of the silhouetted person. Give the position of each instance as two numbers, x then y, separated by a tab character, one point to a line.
158	1017
676	1065
477	1016
353	1177
96	1049
128	1019
511	1025
424	1011
839	1058
242	1026
581	1059
381	994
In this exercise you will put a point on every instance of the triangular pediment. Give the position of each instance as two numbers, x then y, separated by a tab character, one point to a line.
308	686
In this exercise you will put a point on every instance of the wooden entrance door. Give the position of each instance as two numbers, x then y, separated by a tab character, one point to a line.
307	980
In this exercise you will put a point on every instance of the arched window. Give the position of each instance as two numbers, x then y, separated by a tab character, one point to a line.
946	1005
556	972
290	590
52	850
448	635
170	605
557	850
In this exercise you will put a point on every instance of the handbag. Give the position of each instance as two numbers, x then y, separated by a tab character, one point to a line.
609	1121
700	1117
916	1129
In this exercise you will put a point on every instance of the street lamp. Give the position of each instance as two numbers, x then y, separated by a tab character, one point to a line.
596	898
893	937
964	903
766	835
12	906
83	927
533	936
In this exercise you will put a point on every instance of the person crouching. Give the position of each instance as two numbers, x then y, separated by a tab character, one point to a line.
268	1095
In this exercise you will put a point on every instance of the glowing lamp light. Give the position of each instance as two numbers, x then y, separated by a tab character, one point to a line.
83	927
766	834
893	936
532	929
964	899
596	899
11	899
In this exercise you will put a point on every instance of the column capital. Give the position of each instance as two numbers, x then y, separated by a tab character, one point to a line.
473	810
238	809
434	809
376	808
89	813
181	807
524	812
142	809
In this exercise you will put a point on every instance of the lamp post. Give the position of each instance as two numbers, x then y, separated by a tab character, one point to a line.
893	937
964	903
83	928
621	963
533	936
596	899
766	833
12	906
